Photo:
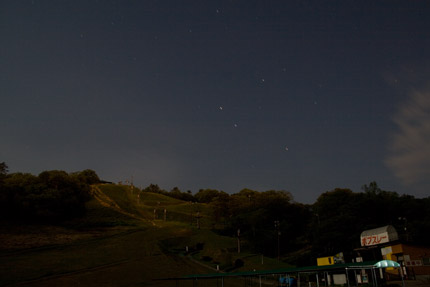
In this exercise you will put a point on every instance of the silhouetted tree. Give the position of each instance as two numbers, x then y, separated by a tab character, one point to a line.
337	213
51	196
87	176
255	213
178	194
206	195
154	188
219	206
3	169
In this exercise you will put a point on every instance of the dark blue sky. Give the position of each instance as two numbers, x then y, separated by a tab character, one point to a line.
303	96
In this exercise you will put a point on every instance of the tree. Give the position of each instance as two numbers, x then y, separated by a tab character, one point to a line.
341	215
337	228
87	176
176	193
219	206
372	188
206	195
3	169
62	195
51	196
255	213
16	194
154	188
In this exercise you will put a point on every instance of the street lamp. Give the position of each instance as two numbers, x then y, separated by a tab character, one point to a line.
405	223
277	226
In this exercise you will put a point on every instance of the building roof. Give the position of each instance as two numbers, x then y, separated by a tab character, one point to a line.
306	269
392	232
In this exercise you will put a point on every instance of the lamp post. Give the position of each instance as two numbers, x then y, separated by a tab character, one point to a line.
405	229
238	240
277	226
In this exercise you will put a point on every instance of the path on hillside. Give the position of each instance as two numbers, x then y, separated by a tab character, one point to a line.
106	201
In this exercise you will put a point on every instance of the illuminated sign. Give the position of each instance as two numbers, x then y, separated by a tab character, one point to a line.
374	239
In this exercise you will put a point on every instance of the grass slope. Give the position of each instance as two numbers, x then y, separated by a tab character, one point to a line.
120	242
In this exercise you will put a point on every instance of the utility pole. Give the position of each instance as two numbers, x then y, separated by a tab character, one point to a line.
277	226
131	185
198	216
238	240
405	229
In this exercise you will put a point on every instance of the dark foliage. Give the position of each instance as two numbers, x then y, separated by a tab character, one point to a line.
238	263
266	217
185	196
3	169
339	217
52	196
87	176
174	193
270	222
207	195
331	225
154	188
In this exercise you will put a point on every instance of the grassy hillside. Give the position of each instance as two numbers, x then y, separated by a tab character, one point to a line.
121	242
153	207
178	226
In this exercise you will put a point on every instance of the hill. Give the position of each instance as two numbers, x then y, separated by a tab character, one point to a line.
127	238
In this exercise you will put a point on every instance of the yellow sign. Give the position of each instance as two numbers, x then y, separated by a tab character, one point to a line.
322	261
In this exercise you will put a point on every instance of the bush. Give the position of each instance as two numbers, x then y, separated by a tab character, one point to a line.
50	197
200	245
238	263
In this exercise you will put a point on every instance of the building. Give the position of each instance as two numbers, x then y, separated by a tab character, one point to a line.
384	243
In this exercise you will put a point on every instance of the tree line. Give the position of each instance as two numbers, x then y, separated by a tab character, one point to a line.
272	223
51	196
268	222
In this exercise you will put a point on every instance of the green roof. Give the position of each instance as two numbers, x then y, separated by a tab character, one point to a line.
333	267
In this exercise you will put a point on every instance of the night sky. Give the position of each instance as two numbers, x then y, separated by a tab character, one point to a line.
302	96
